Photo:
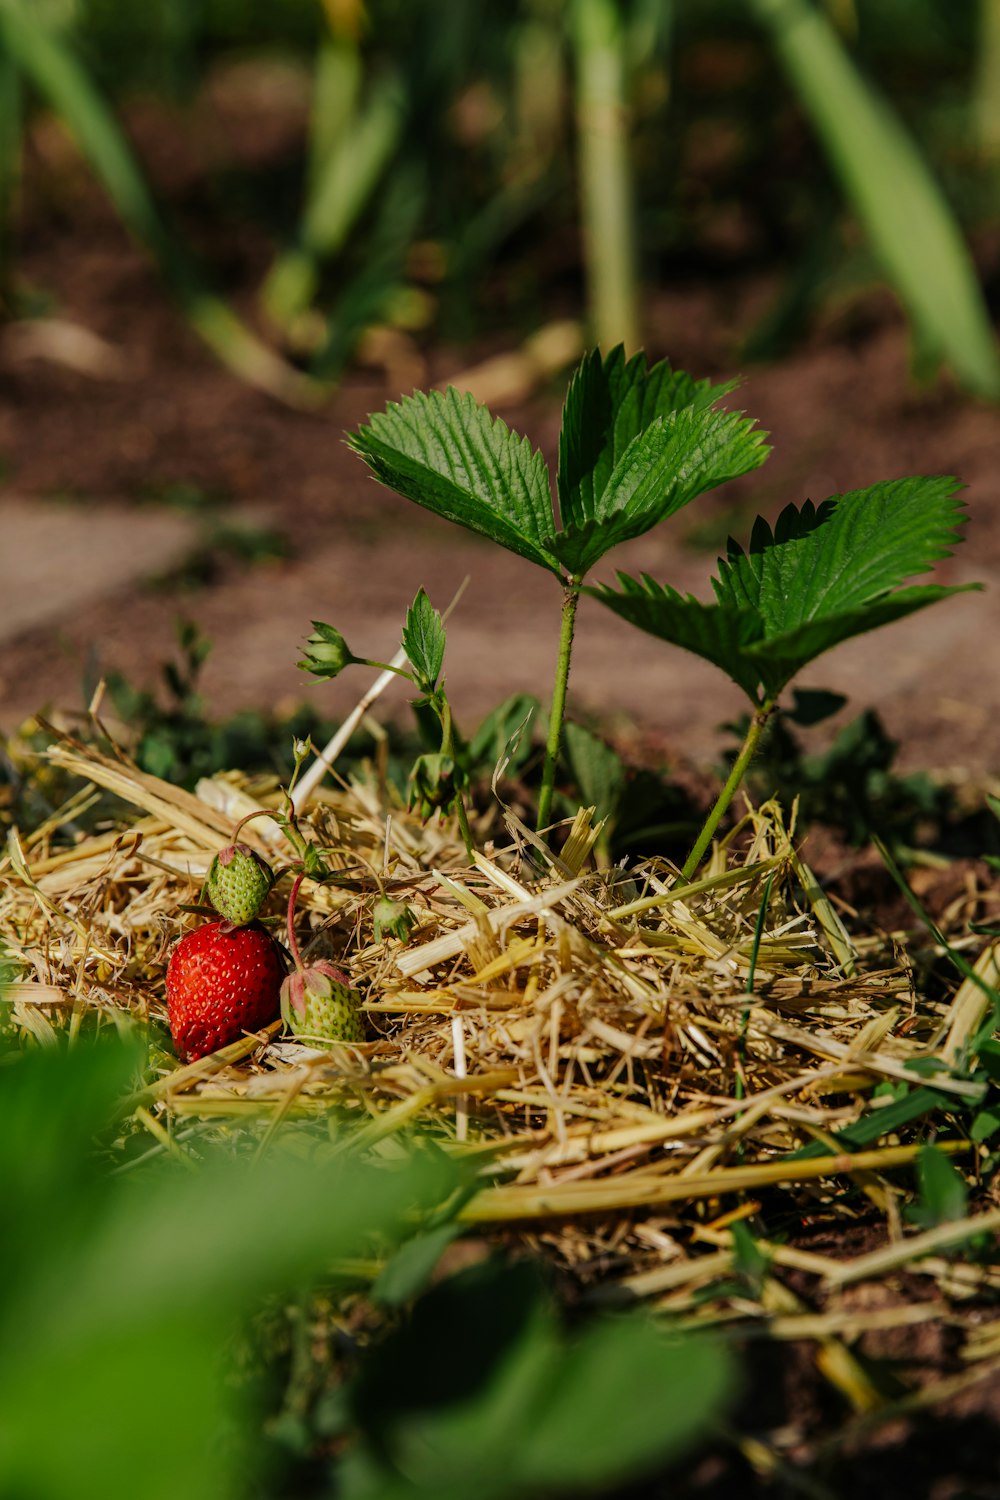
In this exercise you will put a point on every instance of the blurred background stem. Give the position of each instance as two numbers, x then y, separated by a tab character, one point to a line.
10	164
986	100
607	212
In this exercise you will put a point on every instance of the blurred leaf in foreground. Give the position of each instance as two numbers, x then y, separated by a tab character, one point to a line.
483	1392
119	1293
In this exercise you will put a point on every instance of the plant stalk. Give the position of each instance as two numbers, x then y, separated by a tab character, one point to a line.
607	210
730	789
292	940
443	709
10	167
571	598
463	827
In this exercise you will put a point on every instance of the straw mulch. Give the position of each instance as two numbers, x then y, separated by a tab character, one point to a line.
632	1064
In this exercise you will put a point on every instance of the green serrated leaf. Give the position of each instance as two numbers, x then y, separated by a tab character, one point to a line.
424	640
608	404
854	547
821	576
446	453
719	633
780	658
674	457
637	444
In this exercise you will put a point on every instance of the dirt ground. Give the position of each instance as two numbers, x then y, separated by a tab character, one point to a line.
92	575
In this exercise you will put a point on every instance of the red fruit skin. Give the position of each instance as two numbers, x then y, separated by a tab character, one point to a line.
221	984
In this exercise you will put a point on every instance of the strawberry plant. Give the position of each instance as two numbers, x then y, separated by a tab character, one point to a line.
637	444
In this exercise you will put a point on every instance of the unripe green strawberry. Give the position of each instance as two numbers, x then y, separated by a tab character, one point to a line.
319	1005
221	982
392	919
238	883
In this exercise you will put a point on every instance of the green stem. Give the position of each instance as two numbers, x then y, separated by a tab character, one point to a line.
463	826
730	789
292	940
571	598
443	709
383	666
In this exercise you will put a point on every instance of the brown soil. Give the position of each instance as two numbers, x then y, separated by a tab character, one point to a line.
842	411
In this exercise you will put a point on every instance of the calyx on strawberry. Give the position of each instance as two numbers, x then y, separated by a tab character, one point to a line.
317	1001
222	981
238	883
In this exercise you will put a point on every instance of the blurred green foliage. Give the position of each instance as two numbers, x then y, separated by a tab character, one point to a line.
436	146
159	1306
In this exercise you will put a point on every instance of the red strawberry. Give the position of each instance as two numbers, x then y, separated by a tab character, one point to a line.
221	982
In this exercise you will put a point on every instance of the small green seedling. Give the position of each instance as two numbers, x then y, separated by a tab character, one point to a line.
636	445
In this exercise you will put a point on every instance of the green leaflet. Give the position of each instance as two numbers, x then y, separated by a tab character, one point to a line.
779	658
609	403
512	1404
636	445
445	452
133	1285
675	459
821	576
424	641
845	553
719	633
597	770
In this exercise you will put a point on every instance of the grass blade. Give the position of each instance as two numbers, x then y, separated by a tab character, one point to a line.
893	193
607	209
345	177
